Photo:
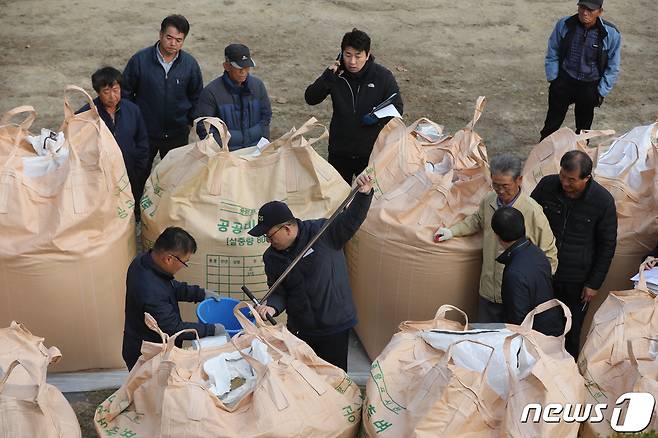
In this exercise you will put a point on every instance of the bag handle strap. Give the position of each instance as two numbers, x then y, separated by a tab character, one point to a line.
68	111
594	133
480	103
642	282
246	324
260	327
169	342
31	113
307	127
529	319
295	138
221	128
23	126
444	309
36	381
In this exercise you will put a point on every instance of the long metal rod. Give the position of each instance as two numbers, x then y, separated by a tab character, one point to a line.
310	243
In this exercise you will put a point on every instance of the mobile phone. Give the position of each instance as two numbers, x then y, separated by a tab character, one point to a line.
339	58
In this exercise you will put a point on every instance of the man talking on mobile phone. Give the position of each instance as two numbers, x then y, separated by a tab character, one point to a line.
357	85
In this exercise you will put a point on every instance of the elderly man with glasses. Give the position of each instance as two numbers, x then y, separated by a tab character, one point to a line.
506	182
151	288
316	294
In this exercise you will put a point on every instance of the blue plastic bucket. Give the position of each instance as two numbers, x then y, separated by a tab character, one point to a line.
211	311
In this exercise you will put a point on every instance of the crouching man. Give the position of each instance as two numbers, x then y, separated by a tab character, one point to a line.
151	288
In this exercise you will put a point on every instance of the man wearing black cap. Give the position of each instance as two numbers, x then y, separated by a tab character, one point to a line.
239	99
316	293
582	64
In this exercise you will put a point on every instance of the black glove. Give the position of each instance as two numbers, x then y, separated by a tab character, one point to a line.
599	100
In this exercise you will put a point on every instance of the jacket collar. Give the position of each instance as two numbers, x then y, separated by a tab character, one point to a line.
518	200
155	55
234	88
300	240
101	109
148	262
586	193
573	21
506	256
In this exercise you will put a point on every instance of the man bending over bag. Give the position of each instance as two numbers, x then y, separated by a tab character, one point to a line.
316	294
151	288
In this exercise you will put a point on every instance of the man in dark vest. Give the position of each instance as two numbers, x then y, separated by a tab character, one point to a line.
582	64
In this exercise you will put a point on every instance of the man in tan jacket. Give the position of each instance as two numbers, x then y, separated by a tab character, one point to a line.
506	181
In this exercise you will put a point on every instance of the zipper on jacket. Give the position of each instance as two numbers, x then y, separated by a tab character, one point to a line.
358	88
164	113
352	93
564	225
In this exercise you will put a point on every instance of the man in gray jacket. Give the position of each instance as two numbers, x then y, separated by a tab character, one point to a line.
239	99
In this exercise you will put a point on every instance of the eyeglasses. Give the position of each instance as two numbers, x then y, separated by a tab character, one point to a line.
269	236
177	258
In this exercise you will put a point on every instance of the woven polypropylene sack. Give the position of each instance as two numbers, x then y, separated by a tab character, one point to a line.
68	236
29	407
296	393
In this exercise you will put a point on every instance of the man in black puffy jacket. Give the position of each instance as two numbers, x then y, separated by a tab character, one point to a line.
316	294
356	84
527	278
583	218
151	288
165	82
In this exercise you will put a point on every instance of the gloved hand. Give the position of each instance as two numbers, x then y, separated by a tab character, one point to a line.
599	100
443	234
212	294
369	119
220	330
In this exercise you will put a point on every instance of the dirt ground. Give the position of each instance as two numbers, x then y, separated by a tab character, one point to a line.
443	53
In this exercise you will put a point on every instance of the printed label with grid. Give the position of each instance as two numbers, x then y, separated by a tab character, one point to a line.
228	273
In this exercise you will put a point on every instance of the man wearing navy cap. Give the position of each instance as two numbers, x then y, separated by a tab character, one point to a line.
239	99
316	293
582	64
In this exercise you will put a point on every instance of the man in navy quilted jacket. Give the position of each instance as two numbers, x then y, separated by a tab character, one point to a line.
165	82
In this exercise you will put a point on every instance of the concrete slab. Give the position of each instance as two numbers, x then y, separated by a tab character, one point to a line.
88	380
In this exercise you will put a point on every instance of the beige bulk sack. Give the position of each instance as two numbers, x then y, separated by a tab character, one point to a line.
215	195
422	181
544	158
67	234
439	378
296	394
29	407
646	371
610	370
